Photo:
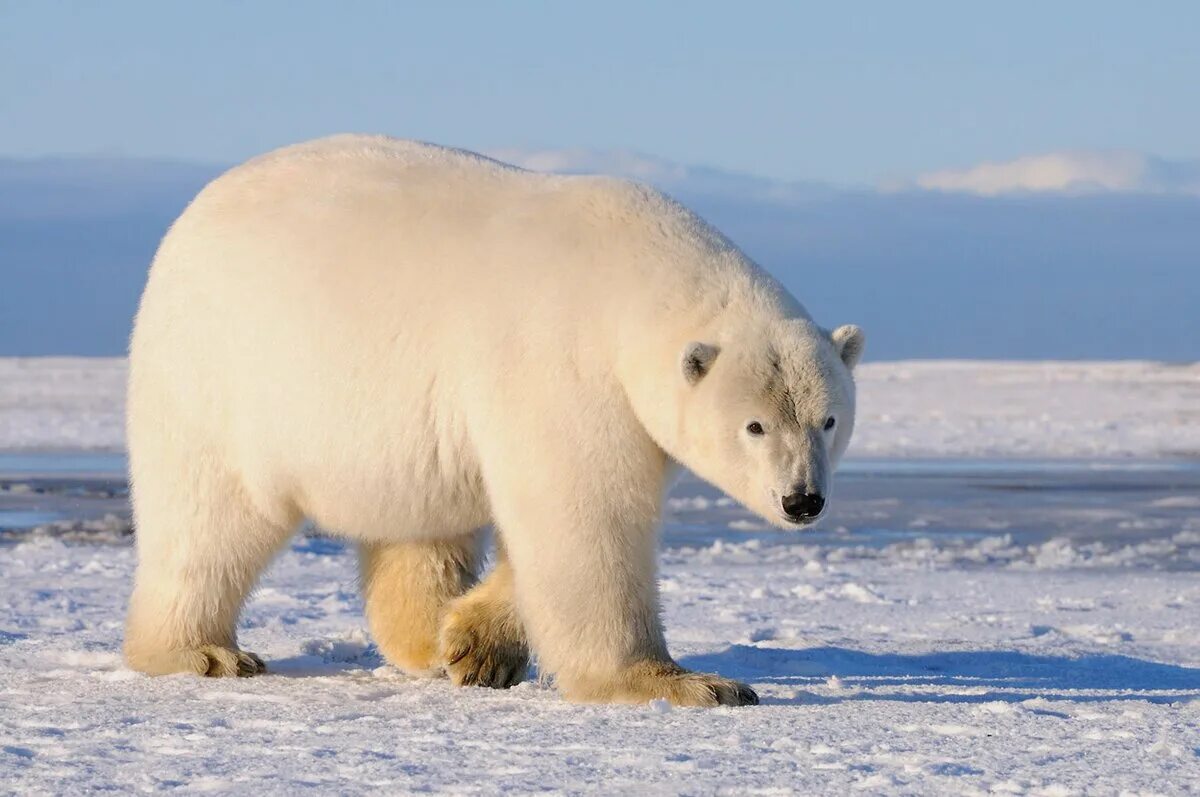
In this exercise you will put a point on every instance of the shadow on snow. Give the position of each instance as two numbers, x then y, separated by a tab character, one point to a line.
991	675
939	677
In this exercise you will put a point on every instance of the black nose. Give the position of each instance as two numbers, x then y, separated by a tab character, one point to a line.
802	506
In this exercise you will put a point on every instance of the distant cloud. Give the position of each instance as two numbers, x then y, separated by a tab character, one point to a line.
586	161
670	176
1070	173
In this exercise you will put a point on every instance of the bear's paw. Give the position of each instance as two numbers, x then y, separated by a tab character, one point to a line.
219	662
664	680
480	648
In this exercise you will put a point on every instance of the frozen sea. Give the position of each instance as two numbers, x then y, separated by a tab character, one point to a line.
1004	599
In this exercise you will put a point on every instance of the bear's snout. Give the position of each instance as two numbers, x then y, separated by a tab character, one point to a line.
803	506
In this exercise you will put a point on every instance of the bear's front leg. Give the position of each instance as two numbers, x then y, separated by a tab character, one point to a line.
583	555
590	604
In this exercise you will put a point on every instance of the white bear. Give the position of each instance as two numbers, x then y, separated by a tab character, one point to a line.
406	344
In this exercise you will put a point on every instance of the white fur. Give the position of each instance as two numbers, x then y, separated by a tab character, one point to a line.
404	342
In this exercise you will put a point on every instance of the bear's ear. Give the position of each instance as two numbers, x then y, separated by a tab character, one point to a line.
849	341
697	360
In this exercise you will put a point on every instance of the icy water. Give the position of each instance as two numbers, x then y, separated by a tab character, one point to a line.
972	508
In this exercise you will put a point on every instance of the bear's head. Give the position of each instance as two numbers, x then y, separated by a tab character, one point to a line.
767	414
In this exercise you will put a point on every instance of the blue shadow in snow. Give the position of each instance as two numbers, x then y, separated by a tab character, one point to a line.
1006	675
333	657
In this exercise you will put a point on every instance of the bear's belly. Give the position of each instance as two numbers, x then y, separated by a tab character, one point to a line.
393	504
374	471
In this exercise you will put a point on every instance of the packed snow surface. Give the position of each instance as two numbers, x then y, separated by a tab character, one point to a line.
906	409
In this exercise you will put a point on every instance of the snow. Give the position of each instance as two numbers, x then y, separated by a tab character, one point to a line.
939	408
1005	624
62	402
1029	409
877	672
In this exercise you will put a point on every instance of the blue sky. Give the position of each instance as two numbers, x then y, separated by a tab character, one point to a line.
1016	180
859	96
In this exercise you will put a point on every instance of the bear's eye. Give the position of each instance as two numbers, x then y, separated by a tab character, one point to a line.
755	428
830	422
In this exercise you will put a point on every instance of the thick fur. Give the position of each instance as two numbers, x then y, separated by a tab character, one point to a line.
406	343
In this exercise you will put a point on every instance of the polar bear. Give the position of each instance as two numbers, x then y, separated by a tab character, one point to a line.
407	344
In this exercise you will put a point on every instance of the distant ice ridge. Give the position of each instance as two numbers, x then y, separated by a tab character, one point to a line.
937	408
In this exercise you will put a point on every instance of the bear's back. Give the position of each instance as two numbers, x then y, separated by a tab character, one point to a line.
354	241
378	155
348	220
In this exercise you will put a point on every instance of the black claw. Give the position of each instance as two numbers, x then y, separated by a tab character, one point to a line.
459	655
499	668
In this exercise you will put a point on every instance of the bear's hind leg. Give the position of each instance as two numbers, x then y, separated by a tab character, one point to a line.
483	640
201	546
407	587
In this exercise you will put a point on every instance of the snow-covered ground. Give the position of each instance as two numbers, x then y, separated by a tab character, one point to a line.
935	663
906	409
62	403
958	626
1043	409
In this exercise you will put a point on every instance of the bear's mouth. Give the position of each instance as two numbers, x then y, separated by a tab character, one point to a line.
800	523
